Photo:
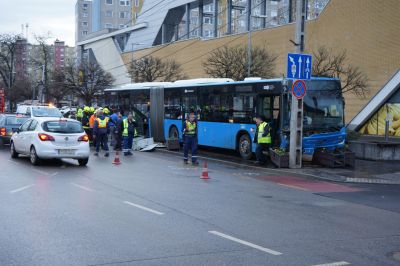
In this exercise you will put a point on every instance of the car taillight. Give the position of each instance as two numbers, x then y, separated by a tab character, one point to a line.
45	137
3	131
84	138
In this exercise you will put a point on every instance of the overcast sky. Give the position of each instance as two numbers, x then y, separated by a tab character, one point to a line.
54	16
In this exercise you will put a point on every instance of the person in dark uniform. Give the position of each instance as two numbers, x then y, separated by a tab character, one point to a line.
191	140
263	139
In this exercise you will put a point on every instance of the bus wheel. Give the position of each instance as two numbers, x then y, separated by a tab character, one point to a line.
173	133
245	147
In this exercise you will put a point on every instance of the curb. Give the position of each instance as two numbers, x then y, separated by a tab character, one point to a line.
339	179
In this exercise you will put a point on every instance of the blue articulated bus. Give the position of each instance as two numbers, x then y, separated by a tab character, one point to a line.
226	109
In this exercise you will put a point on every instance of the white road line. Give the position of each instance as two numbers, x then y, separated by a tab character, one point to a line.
40	172
20	189
82	187
267	250
339	263
54	174
143	208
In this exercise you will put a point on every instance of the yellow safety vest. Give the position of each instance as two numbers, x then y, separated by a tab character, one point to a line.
102	123
190	128
125	132
261	139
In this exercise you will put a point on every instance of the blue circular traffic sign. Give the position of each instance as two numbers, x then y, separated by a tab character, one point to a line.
299	89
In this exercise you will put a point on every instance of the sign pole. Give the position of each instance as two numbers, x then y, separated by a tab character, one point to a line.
296	116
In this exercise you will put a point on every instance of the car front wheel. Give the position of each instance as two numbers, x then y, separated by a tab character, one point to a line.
83	162
14	153
33	156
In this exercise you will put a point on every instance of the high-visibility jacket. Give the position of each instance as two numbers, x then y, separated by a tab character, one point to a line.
191	128
91	121
102	123
125	132
263	139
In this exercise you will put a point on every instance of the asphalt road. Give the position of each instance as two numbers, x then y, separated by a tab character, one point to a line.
153	210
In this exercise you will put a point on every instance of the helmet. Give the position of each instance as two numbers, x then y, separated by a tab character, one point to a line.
106	111
92	109
86	109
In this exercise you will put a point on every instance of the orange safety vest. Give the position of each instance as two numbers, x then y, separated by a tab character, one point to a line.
102	123
91	121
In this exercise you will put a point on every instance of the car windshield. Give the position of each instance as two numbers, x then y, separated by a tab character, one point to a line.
46	112
62	126
323	108
15	120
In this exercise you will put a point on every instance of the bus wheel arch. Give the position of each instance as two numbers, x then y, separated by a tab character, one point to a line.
173	132
244	145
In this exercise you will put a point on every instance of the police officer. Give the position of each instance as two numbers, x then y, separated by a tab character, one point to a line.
101	129
190	134
262	139
128	134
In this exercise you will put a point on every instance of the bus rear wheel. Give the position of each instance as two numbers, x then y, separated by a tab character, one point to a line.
244	147
173	133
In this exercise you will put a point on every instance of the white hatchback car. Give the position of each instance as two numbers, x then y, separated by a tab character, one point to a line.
51	138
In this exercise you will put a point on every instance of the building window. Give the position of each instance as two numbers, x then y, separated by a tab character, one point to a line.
85	6
85	14
124	3
208	20
109	14
124	14
208	8
194	33
85	23
208	33
108	26
84	32
137	3
109	2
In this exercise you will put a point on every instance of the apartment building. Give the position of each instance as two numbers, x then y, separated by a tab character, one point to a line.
83	19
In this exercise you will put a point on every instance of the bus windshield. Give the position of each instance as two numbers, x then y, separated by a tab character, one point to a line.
323	107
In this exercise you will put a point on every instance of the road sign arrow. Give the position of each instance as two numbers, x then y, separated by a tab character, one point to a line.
300	61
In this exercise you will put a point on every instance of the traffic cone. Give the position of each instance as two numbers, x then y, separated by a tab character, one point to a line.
116	159
204	174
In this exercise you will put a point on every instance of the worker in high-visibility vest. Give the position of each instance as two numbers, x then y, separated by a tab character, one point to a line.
79	115
262	138
190	143
128	133
101	130
85	121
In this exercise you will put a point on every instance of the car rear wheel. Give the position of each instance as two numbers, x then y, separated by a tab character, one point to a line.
33	157
83	162
244	147
14	153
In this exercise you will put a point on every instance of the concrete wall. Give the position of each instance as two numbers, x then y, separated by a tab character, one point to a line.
368	29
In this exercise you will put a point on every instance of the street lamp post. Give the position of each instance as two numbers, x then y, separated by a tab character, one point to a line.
250	43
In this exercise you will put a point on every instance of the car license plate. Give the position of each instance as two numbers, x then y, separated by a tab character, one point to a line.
66	152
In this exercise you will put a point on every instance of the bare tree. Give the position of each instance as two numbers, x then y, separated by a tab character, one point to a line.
87	81
327	63
232	62
58	88
150	68
8	46
20	90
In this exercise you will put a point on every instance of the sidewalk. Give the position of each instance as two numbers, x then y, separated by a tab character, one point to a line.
372	172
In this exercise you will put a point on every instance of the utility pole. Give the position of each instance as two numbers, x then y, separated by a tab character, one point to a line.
296	117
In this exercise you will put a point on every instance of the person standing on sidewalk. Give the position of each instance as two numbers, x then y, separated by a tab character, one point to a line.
263	139
190	136
128	134
101	129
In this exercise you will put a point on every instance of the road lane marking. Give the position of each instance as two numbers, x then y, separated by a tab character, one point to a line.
21	189
143	208
292	186
237	240
338	263
54	174
82	187
40	172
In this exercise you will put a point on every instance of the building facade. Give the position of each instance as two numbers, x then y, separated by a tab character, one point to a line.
83	19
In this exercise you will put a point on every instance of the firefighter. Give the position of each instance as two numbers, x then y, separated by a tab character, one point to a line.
190	134
101	130
79	115
85	121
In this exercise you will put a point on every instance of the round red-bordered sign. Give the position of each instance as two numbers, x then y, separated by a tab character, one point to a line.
299	89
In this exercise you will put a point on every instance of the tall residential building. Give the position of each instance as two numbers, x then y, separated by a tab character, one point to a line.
83	19
96	15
